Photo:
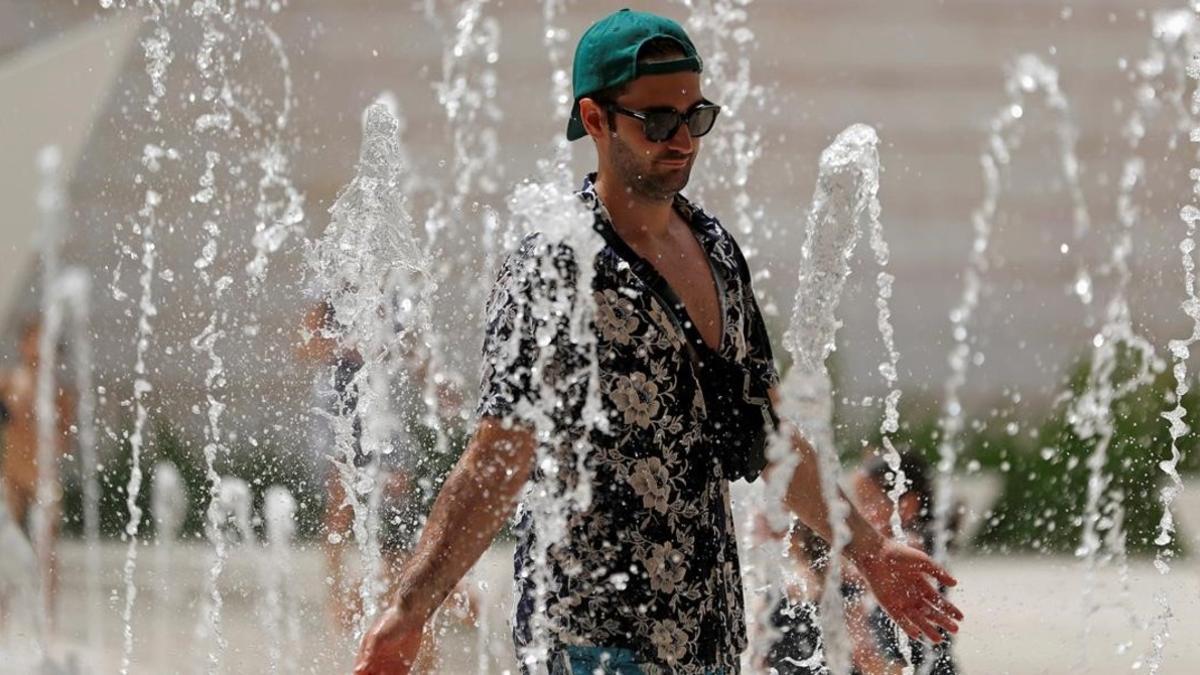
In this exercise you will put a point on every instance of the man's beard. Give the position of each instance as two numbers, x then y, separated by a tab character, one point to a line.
635	171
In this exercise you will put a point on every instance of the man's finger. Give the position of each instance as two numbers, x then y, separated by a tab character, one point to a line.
944	606
941	619
908	627
938	572
927	628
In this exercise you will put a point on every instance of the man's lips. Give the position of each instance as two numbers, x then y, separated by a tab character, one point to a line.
678	162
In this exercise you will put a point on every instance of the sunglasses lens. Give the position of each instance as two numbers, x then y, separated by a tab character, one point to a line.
702	120
661	125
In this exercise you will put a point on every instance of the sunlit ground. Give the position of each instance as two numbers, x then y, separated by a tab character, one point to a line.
1024	616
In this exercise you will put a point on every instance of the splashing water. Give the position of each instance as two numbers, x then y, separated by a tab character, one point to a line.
50	204
1177	40
280	618
1180	351
218	108
556	38
1159	92
467	93
363	266
890	423
847	183
279	204
234	506
64	307
561	304
1029	81
721	31
73	290
157	54
226	109
1092	414
214	118
169	503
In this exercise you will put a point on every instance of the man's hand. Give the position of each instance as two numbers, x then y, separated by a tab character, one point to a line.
390	646
899	577
897	574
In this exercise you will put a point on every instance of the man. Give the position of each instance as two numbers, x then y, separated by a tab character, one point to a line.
648	578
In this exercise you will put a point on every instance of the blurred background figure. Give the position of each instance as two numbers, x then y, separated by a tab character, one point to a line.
408	475
795	614
877	650
19	467
332	396
797	649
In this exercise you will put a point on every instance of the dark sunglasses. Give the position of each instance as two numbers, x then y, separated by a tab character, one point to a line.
661	124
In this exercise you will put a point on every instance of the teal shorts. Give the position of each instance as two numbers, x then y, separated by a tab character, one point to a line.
572	660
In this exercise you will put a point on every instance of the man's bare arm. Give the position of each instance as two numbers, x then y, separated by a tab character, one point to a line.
805	498
476	499
896	573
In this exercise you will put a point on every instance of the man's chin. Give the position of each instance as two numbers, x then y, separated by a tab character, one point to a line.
664	183
675	179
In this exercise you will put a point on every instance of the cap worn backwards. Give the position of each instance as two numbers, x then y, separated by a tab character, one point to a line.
607	56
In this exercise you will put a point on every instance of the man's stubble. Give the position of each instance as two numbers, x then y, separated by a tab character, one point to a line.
635	172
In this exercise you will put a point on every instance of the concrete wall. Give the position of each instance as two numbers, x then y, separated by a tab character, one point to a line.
927	75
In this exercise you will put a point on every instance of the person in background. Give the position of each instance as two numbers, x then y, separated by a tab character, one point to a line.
878	651
19	467
335	395
797	648
335	366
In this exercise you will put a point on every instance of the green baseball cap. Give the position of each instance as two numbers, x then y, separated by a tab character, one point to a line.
607	55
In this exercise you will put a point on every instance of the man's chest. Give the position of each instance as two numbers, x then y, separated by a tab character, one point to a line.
694	285
689	284
648	359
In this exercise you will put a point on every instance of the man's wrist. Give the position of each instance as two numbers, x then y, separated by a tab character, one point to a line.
864	545
417	595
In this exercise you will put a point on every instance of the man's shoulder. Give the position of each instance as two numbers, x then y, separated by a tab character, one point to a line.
538	245
724	239
538	252
696	212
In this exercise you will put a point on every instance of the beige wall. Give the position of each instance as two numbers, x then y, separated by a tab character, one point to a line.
52	92
927	75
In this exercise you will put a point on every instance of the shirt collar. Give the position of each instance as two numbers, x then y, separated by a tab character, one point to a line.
604	220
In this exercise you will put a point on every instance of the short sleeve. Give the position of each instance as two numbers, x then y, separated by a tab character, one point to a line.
760	358
526	346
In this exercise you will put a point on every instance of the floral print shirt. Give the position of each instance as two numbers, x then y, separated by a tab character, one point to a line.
651	564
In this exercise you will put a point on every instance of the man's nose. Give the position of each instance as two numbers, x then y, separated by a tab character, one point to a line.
682	142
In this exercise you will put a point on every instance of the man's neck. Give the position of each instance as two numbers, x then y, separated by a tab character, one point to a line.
635	218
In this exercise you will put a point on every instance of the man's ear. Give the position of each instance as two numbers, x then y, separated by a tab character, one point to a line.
595	120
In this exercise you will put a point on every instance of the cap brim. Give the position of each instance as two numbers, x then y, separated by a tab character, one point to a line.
575	128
